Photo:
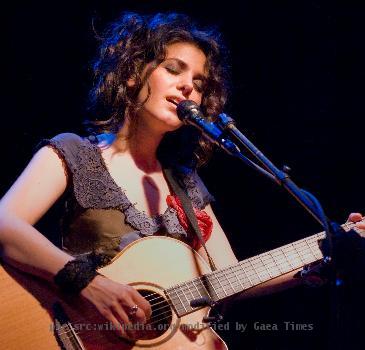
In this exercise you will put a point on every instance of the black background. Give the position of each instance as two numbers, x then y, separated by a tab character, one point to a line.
297	71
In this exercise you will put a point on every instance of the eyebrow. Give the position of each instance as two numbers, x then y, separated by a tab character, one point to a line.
184	65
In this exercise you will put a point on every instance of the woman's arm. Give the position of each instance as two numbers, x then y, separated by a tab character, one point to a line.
221	251
34	192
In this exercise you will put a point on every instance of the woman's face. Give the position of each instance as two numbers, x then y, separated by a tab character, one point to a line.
180	76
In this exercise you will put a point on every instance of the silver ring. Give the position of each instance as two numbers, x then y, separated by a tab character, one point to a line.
133	310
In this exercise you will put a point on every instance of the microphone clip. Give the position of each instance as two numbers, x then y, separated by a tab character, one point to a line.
206	301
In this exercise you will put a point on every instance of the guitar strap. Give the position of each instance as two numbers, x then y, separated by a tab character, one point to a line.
188	209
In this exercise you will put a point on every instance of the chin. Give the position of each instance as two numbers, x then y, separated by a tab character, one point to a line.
172	123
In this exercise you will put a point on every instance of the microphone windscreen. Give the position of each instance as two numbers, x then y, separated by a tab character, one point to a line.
186	108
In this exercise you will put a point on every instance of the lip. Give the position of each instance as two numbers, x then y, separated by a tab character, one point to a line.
174	99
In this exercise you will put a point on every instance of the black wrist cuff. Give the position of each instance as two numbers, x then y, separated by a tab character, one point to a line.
76	275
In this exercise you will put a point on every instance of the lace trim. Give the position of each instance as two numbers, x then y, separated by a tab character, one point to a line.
198	198
94	187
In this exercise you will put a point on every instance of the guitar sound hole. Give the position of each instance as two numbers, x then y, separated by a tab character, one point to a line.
161	318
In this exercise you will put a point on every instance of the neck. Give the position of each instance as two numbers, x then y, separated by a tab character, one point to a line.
141	145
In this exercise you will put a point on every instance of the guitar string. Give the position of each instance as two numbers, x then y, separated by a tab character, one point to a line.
348	225
294	245
72	336
254	259
259	257
282	260
158	314
265	257
277	262
303	243
307	241
158	320
162	313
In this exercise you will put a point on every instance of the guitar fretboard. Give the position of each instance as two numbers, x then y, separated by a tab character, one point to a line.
248	273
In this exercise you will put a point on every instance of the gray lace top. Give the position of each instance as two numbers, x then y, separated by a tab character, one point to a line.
98	215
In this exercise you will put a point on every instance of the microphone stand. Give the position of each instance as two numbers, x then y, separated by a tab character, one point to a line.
281	177
311	204
350	242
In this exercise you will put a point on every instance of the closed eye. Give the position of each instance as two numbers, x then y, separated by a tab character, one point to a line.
175	66
199	85
173	70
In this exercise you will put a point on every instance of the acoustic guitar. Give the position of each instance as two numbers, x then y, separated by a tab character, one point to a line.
167	272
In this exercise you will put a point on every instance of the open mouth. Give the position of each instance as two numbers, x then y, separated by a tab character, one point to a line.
172	101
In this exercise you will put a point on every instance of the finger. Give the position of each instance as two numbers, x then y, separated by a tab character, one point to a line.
121	313
118	325
361	225
354	217
143	304
137	316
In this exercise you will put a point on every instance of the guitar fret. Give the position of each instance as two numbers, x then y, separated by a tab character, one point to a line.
213	292
242	276
253	275
311	249
229	282
237	279
191	288
292	256
268	265
255	270
265	271
244	271
316	247
264	264
286	257
298	251
303	253
192	295
258	269
275	264
280	256
186	298
202	290
317	252
196	288
220	284
272	265
297	257
173	299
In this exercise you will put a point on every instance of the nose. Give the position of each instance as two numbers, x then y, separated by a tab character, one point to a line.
186	87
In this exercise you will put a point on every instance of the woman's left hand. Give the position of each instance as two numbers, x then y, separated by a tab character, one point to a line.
358	218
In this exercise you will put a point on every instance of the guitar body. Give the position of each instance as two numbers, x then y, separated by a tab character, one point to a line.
150	265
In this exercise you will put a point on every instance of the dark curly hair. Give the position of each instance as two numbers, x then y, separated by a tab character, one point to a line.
131	42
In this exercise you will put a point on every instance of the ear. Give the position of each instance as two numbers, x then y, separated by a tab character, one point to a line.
131	82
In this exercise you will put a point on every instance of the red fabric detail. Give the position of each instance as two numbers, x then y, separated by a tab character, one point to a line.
204	221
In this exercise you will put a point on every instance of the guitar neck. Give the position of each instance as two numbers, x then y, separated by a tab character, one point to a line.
234	279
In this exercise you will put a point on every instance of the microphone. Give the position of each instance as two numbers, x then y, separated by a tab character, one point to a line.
190	114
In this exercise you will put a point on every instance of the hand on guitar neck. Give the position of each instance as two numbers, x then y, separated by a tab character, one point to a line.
358	219
348	253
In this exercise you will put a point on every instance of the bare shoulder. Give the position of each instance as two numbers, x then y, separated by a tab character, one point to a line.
40	184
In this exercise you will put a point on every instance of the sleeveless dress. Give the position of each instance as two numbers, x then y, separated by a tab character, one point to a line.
98	217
